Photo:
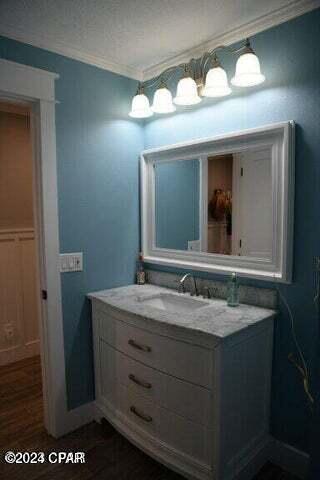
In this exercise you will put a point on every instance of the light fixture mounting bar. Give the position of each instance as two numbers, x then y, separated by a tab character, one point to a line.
201	77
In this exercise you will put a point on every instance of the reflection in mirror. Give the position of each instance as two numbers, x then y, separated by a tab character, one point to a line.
240	204
177	204
220	204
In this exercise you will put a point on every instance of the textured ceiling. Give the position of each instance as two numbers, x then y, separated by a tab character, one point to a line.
135	34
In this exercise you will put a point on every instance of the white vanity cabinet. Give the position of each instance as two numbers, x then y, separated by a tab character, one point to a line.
197	403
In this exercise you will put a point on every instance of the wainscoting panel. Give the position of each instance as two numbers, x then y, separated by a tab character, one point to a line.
19	330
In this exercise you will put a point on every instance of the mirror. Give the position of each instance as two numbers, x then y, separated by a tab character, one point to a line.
177	200
238	194
221	204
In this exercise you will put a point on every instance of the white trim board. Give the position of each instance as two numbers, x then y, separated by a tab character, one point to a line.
281	454
77	417
56	46
279	138
35	81
290	459
36	87
281	15
276	17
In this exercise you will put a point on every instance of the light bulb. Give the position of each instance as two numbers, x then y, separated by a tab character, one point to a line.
162	101
187	92
216	83
248	72
140	107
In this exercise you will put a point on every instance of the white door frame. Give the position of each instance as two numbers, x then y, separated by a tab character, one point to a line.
37	88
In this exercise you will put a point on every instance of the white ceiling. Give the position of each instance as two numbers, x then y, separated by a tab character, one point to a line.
135	36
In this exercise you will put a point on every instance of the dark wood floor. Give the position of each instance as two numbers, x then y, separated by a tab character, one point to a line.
108	455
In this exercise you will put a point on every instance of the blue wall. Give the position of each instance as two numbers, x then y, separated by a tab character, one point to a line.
290	60
177	203
98	149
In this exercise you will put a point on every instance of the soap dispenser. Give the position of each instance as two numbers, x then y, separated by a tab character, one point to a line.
141	274
233	291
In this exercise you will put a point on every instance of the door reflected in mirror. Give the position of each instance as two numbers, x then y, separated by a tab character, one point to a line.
220	170
218	204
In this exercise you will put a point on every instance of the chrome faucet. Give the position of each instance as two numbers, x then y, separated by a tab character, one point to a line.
182	287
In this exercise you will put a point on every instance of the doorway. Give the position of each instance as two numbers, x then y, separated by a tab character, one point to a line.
19	284
20	303
24	84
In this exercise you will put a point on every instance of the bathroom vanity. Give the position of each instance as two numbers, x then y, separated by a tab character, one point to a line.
185	379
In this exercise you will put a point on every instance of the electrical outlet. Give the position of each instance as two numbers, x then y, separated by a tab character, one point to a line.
8	330
71	262
194	245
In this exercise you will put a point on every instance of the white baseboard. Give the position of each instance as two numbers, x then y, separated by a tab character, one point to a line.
290	459
76	418
19	352
285	456
259	457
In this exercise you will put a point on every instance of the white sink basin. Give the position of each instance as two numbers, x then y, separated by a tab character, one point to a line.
173	303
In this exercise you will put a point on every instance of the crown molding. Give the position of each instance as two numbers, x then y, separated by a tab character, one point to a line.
55	46
276	17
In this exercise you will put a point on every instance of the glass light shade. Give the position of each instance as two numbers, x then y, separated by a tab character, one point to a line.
140	107
162	101
248	71
216	83
187	92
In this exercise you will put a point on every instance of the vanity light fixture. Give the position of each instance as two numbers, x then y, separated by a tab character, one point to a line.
248	72
187	90
204	76
140	107
216	81
162	100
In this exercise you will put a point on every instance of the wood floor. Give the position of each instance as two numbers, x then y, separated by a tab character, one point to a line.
108	455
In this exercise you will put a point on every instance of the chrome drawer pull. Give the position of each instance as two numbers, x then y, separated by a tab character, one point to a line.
144	417
139	382
134	344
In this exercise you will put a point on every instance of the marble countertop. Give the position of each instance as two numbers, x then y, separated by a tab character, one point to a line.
215	318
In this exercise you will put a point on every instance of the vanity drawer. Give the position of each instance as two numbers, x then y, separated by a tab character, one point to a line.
182	360
166	391
187	437
177	432
142	411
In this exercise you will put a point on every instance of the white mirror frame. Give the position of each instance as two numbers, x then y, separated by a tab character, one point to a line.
280	138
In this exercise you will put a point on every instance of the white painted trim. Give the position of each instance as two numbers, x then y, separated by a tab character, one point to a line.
285	456
203	217
17	353
237	33
35	81
159	450
77	417
276	17
290	459
16	230
280	137
56	46
36	86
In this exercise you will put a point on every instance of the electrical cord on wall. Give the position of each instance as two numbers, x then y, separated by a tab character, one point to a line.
316	298
302	368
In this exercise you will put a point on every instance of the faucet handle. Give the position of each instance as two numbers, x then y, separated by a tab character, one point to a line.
207	292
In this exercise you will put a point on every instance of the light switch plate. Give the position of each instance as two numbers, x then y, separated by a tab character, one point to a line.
71	262
194	245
